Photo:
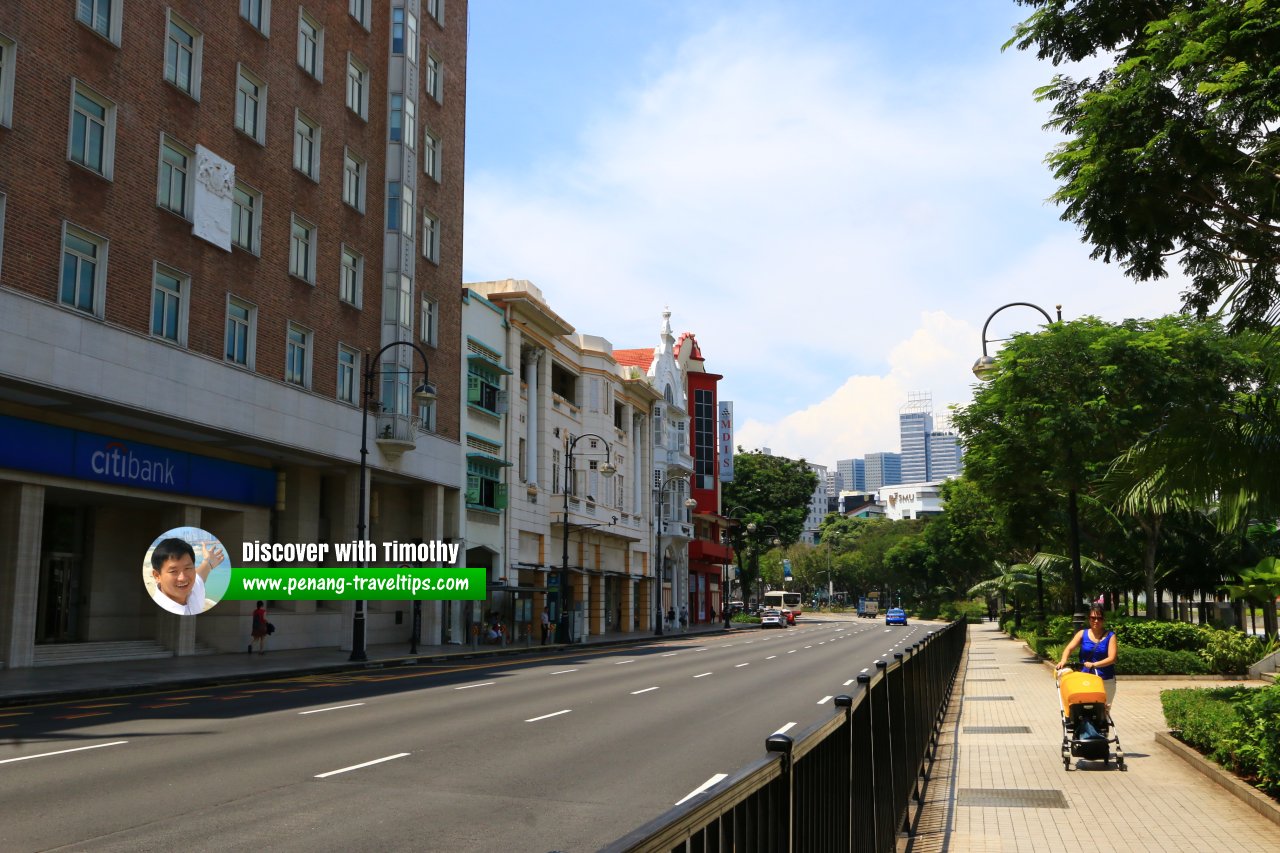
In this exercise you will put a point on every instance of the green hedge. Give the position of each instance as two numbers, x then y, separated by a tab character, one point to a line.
1238	727
1135	661
1172	636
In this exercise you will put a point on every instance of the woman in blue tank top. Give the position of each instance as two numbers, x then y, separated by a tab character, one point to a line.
1097	651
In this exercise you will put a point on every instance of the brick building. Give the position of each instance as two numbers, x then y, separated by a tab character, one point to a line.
211	214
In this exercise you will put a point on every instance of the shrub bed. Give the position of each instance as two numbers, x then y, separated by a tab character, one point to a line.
1136	661
1238	727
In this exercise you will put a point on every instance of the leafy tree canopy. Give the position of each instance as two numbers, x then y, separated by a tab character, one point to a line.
770	490
1173	150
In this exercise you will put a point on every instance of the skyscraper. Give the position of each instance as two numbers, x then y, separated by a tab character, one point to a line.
915	423
946	456
882	469
852	474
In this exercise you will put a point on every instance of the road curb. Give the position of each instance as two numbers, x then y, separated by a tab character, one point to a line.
1241	790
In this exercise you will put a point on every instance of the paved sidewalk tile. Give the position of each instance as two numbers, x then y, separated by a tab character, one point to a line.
1160	804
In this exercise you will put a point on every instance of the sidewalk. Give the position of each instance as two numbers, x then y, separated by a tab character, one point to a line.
998	783
55	683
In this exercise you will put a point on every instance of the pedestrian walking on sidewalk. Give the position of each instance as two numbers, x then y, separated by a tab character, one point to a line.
1097	651
546	625
671	618
261	628
684	618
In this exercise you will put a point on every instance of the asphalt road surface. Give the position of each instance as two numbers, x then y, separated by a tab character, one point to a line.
543	752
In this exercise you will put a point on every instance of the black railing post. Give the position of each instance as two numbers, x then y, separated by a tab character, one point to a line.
780	818
845	701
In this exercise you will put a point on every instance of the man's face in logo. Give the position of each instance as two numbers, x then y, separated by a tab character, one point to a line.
176	578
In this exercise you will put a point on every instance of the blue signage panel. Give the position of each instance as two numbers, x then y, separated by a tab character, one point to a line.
31	446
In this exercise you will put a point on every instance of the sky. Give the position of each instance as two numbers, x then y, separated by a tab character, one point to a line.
831	195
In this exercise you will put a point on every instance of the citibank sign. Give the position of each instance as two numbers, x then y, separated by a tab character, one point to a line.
118	463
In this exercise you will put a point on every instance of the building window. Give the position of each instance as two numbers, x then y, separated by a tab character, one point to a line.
395	388
411	38
483	387
182	49
435	79
427	333
410	123
246	218
431	156
306	146
395	123
302	250
241	319
483	488
406	211
170	292
310	45
174	187
8	67
555	471
357	88
297	357
84	270
251	105
352	283
353	176
397	31
430	237
398	300
393	206
704	439
348	386
257	13
359	10
435	8
93	130
101	16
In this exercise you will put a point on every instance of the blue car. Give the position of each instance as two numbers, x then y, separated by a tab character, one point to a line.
895	616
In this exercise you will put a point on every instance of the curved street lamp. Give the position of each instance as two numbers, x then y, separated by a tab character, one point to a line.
752	527
422	395
984	368
731	515
606	468
659	528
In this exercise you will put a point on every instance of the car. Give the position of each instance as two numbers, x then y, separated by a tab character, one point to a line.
789	616
772	619
895	616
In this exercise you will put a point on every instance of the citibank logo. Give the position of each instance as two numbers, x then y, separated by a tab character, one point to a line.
119	462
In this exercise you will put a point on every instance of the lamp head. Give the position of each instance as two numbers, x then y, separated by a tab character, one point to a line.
607	468
690	503
776	542
424	394
751	527
984	367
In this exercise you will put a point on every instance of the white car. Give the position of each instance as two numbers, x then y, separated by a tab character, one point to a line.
772	619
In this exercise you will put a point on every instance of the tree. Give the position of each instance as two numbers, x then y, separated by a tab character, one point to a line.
767	490
1173	150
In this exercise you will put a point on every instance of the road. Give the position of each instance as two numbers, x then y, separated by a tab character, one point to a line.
562	751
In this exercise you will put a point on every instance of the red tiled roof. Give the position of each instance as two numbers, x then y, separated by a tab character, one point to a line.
697	351
640	358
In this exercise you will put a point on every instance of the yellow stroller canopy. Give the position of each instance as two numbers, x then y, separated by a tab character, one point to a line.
1077	688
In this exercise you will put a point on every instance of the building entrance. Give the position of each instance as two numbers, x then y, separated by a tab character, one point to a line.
61	573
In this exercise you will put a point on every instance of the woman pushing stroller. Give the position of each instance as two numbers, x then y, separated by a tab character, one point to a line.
1097	651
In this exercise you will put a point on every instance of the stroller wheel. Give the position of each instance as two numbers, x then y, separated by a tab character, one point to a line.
1120	764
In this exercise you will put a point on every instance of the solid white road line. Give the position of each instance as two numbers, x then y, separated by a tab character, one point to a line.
646	690
824	700
563	671
481	684
548	716
703	675
365	764
334	708
788	727
704	786
63	751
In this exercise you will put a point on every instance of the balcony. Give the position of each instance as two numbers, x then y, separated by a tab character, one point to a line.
710	552
396	434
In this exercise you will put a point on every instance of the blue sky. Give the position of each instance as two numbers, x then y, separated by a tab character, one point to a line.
832	196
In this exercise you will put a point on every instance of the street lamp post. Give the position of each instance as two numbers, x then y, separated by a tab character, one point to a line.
423	394
733	516
753	528
607	469
660	527
983	368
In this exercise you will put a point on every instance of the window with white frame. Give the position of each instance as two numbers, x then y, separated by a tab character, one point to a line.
435	79
310	44
410	123
406	211
398	300
411	37
395	120
251	105
170	295
359	10
91	142
357	87
354	170
242	318
430	322
397	31
430	237
352	282
257	13
183	46
84	270
431	155
8	67
302	250
348	370
101	16
174	189
427	417
306	146
435	8
297	356
393	206
246	218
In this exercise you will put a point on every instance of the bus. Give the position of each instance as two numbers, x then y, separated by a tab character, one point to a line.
777	600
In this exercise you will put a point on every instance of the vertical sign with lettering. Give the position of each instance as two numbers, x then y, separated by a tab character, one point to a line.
724	433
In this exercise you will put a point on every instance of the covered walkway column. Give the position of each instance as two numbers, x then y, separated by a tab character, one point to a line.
21	529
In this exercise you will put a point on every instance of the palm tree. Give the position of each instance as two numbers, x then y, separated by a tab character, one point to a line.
1014	581
1260	585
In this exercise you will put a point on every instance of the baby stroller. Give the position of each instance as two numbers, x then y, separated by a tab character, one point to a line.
1087	728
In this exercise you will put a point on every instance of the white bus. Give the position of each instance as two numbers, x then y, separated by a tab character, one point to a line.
777	600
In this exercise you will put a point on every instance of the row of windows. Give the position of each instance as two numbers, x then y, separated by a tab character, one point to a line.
82	286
